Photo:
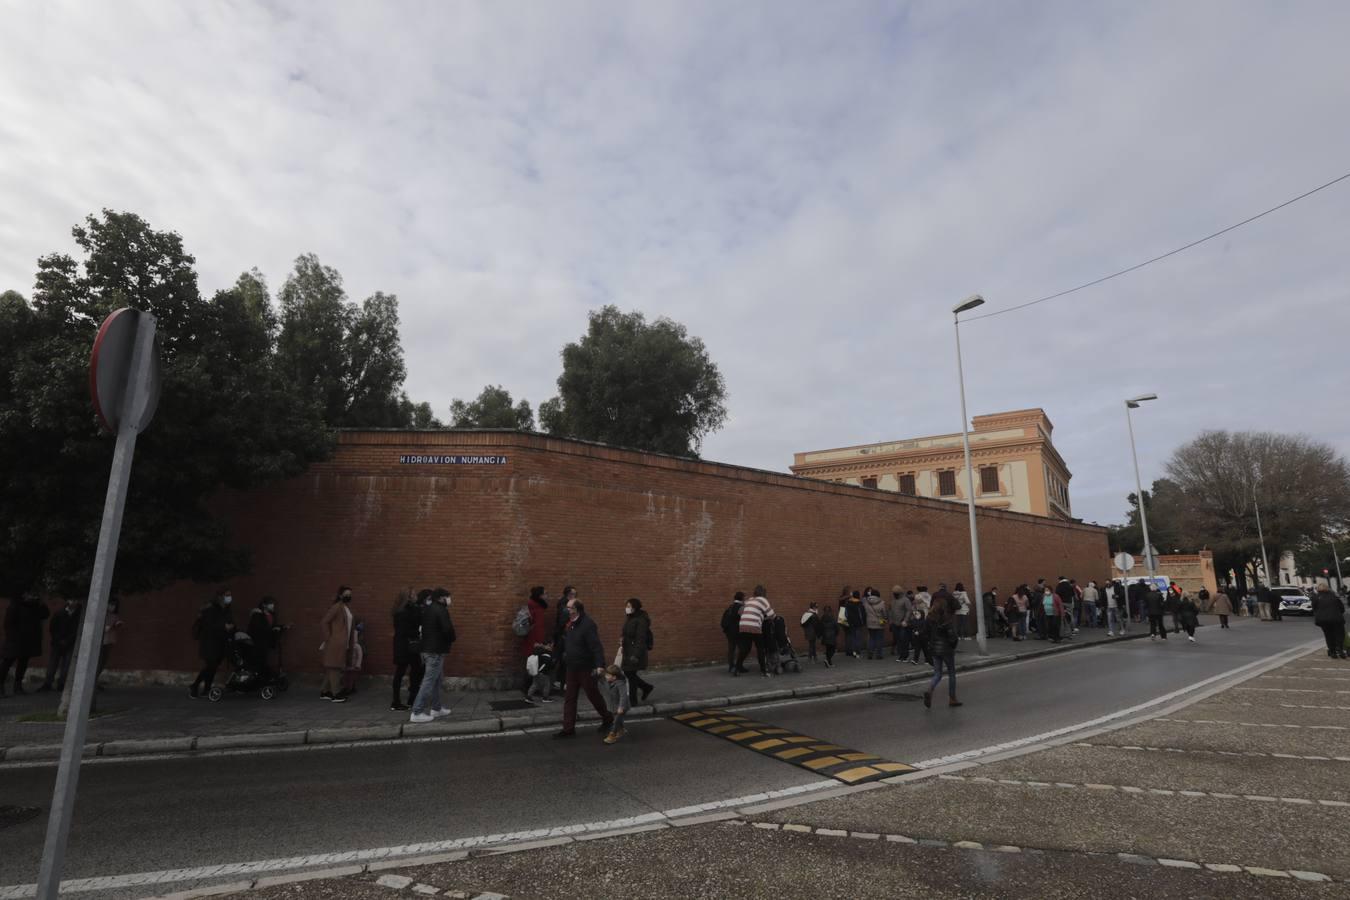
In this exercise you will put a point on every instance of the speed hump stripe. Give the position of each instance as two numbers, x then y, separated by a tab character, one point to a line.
848	766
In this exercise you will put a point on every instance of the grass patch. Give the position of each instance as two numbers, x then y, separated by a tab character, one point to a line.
48	718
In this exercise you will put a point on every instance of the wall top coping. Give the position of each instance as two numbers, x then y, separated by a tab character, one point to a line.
533	442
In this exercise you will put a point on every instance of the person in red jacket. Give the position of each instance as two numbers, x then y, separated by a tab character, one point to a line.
538	633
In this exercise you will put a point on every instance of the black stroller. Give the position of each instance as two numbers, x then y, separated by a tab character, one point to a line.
782	657
250	672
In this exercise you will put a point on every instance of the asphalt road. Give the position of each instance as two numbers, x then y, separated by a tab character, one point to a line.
172	813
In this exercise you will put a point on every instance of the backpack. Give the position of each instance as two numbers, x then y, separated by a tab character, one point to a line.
523	622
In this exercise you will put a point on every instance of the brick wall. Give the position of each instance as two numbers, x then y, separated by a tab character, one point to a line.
681	535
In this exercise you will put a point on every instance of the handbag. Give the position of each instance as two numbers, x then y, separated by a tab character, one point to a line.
618	658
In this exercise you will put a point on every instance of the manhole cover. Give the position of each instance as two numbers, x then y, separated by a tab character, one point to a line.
17	815
501	705
896	695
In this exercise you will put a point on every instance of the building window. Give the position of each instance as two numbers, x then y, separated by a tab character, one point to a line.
947	484
907	485
989	479
869	482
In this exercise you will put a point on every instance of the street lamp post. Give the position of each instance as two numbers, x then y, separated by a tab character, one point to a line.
981	641
1149	562
1265	563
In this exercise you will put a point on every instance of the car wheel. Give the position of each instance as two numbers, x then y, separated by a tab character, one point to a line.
215	694
268	692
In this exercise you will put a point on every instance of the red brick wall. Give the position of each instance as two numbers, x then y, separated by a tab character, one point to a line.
681	535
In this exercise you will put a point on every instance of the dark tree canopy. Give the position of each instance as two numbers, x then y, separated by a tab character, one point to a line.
492	409
649	386
247	397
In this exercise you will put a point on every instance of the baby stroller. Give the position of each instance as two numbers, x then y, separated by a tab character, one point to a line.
782	658
250	672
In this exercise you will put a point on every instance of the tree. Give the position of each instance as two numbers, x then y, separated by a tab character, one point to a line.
492	409
634	384
228	416
417	415
1303	488
1163	505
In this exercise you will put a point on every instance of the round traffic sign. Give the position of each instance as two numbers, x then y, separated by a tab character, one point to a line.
1124	561
110	375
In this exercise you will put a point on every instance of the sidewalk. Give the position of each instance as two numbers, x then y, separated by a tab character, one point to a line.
157	719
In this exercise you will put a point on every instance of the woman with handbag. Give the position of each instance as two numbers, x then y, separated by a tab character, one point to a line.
634	646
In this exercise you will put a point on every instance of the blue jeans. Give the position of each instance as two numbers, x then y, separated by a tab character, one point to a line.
429	694
1113	620
853	638
900	635
947	659
876	641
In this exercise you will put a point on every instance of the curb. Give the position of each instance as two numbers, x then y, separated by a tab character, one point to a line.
498	724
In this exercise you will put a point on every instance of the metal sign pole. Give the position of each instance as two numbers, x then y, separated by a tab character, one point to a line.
91	634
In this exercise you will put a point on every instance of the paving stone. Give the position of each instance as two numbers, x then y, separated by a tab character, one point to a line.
397	882
426	889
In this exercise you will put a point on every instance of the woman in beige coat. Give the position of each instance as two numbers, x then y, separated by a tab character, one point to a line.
337	640
1223	606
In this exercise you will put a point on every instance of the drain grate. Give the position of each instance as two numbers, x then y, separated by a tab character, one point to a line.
17	815
897	695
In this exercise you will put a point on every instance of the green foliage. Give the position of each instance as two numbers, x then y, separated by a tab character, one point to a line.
228	416
1163	505
492	409
634	384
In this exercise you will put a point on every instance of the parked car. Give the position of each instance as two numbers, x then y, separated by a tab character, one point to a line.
1293	602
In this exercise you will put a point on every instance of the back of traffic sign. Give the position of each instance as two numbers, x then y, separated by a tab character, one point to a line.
1124	561
114	388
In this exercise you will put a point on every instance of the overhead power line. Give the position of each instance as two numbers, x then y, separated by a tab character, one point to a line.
1149	262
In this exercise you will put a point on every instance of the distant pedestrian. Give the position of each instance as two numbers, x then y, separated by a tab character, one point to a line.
620	696
213	628
1189	614
1329	615
561	619
855	621
898	615
1090	605
1067	594
755	616
918	632
1052	608
993	613
23	638
962	611
874	617
637	642
1172	608
1203	600
811	630
829	633
539	667
583	658
1223	606
407	616
112	627
1154	606
1115	622
1023	601
65	632
731	628
535	611
942	639
336	630
438	636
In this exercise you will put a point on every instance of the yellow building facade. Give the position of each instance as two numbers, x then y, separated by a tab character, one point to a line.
1016	466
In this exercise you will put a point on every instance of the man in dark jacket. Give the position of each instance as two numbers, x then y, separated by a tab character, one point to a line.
1153	605
1172	607
1329	615
265	631
438	634
584	659
731	627
65	631
560	620
213	629
408	646
23	638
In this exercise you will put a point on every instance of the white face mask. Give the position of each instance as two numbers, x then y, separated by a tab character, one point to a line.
628	610
227	599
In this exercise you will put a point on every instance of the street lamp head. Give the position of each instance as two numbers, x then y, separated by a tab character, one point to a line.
1133	402
969	303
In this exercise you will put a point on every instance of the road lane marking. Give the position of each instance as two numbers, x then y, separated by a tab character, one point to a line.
1157	792
1257	753
1250	724
841	763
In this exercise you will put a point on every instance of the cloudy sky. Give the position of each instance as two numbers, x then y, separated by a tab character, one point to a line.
809	187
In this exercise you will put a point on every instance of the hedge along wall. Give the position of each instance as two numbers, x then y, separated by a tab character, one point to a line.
388	512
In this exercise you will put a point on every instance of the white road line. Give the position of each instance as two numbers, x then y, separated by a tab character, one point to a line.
1251	724
223	870
1308	677
1132	747
1290	690
1155	792
1219	682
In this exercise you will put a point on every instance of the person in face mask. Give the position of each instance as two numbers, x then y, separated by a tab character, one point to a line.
636	642
265	631
212	630
337	642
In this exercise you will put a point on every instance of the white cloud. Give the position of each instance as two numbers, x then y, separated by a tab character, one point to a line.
808	187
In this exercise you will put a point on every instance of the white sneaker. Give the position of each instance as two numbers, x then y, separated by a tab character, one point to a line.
440	713
421	718
1191	639
1110	634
